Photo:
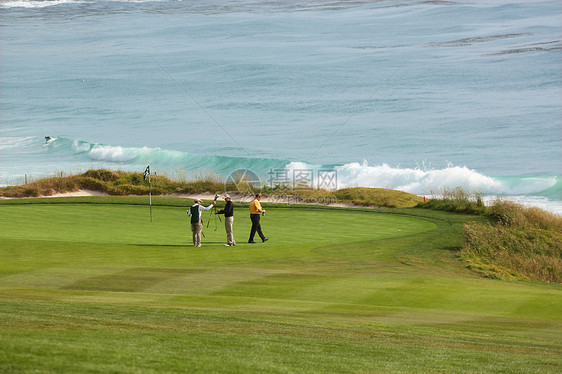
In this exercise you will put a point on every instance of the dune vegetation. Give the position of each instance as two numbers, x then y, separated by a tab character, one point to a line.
121	183
116	183
523	243
516	243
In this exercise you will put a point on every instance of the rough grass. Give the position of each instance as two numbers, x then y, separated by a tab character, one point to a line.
524	243
518	243
511	253
510	214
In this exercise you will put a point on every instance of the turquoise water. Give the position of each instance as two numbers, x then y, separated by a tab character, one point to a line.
412	95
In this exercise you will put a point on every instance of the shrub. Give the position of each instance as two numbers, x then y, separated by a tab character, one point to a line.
129	189
31	191
457	200
102	175
92	184
515	215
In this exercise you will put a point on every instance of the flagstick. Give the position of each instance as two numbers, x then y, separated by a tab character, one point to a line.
150	196
147	172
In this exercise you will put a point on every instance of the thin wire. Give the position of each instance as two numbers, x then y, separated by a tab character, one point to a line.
361	106
200	106
354	260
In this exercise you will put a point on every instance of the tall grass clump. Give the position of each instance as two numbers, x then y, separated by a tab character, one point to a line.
514	215
457	200
523	243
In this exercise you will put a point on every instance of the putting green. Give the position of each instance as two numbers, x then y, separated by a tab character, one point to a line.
130	224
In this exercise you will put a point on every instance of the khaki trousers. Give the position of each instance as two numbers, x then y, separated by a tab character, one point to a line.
196	229
228	223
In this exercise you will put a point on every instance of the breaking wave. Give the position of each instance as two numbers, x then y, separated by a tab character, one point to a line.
420	181
132	158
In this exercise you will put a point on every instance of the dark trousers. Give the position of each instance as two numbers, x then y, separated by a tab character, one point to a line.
256	227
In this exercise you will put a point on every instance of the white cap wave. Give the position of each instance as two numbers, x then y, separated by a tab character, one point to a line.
425	182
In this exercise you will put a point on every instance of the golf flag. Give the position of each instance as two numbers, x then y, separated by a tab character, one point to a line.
147	173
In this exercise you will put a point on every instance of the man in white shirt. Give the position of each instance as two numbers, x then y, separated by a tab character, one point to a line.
196	222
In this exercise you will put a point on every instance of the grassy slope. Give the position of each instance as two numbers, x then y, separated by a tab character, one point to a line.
98	288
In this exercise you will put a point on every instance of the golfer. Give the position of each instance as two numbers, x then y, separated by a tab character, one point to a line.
255	212
196	222
228	212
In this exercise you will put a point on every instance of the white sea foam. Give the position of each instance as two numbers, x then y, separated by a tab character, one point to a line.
426	182
433	182
80	146
37	4
49	3
114	154
124	154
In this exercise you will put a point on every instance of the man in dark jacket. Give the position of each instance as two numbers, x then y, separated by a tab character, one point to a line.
228	212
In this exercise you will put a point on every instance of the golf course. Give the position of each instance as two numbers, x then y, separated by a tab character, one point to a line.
92	285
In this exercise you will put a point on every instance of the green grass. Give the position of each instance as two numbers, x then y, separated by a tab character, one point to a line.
91	285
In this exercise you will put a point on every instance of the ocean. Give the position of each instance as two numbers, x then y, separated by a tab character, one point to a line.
418	96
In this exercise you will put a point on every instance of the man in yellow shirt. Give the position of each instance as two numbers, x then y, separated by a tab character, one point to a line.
255	213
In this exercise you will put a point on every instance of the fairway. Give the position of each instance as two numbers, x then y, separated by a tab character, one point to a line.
91	285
